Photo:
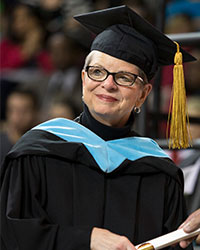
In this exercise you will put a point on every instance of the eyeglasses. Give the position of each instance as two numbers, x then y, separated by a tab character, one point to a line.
121	78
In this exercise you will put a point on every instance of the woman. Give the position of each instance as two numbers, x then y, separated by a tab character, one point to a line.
24	45
94	183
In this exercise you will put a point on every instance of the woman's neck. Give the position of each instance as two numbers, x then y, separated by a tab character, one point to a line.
104	131
111	122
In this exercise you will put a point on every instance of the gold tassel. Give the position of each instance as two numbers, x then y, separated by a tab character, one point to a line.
180	136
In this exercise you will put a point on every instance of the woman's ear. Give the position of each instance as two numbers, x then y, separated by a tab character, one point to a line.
83	77
145	92
147	89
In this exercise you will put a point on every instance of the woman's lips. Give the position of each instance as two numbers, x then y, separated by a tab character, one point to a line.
107	98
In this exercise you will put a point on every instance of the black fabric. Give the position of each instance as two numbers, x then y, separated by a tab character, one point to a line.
124	42
53	200
106	132
5	145
124	34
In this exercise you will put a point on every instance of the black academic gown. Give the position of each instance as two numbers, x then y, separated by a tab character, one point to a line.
53	193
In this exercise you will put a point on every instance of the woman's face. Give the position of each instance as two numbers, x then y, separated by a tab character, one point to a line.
108	102
23	21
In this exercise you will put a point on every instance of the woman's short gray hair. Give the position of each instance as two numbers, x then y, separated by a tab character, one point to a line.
88	59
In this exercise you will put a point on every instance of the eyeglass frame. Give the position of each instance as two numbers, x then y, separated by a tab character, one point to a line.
113	75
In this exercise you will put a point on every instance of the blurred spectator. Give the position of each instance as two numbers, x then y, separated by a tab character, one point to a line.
71	26
58	15
21	115
6	87
190	8
51	4
61	106
140	8
192	74
67	57
51	12
180	23
24	45
194	111
3	21
102	4
73	7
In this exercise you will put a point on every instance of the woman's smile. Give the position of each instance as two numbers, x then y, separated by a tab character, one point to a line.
106	98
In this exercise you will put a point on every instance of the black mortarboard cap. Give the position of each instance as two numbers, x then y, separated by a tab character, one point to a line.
124	34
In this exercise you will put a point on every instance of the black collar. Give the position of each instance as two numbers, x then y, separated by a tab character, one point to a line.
103	131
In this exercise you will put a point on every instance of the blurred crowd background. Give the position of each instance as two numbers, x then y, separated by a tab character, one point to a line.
42	51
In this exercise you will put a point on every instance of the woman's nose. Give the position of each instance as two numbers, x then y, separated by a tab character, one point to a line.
109	83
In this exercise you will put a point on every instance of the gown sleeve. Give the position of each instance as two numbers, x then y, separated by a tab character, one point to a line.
25	224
